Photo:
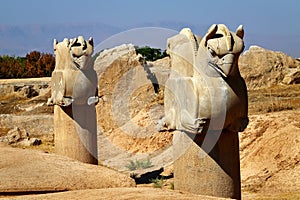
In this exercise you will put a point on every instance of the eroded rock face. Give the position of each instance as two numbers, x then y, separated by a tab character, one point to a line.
263	68
270	153
19	137
23	170
16	134
131	98
127	84
28	88
27	91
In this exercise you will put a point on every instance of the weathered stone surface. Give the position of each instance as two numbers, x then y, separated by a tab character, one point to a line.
122	73
19	137
131	95
180	99
31	142
15	135
292	77
263	68
270	154
138	193
25	87
75	131
213	174
27	91
108	56
38	126
111	65
23	170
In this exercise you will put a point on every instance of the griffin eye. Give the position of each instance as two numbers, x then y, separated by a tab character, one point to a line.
212	52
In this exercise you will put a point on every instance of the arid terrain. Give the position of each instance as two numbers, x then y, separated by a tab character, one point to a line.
131	104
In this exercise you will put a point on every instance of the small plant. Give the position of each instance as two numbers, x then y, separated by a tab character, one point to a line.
279	106
145	164
131	166
158	182
139	164
172	185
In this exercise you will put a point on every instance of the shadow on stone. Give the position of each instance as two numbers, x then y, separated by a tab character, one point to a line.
151	76
147	177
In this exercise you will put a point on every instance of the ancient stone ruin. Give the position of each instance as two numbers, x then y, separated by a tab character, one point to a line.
74	95
205	102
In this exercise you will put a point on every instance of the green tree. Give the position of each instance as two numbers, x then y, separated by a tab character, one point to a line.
151	54
35	64
32	61
11	67
46	64
39	65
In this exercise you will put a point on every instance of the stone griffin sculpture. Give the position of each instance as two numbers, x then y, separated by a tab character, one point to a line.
73	80
209	92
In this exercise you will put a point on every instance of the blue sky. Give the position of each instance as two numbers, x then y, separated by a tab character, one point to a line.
270	24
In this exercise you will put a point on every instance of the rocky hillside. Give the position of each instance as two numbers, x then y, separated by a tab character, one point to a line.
24	114
262	68
131	104
270	153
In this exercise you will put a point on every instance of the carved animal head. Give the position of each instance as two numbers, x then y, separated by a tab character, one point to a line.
219	51
81	52
182	49
62	55
192	38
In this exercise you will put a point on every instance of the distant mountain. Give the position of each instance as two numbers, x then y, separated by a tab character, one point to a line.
19	40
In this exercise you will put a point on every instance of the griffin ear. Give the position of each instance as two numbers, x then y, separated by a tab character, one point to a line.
54	44
73	41
210	33
66	41
240	31
91	41
80	39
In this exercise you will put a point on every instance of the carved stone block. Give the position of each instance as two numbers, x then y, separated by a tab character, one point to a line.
206	103
216	173
73	80
74	95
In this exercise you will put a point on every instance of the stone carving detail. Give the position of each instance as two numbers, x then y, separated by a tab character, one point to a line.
182	49
209	91
73	80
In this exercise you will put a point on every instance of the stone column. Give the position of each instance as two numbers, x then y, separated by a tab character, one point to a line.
74	95
215	174
207	110
75	130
